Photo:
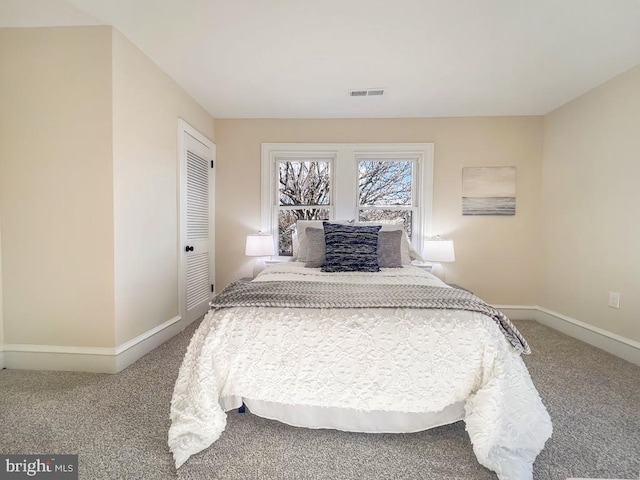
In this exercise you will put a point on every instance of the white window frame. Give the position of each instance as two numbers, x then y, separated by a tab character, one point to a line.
415	185
344	178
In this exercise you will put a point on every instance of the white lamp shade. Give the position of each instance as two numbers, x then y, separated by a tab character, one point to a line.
259	245
439	251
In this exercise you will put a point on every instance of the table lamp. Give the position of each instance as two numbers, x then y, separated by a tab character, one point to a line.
437	251
259	245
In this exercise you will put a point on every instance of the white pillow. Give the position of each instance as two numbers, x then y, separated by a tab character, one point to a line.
295	245
413	253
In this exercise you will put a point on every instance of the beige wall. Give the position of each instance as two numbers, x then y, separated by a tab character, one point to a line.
590	195
496	256
1	308
56	200
88	176
146	107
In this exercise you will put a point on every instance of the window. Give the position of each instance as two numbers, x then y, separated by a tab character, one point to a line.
363	182
304	193
386	191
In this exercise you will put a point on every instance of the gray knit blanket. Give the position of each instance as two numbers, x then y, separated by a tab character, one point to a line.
285	294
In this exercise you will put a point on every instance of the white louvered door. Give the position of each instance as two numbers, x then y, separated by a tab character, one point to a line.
196	223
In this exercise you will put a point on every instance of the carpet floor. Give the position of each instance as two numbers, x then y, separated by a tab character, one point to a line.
118	425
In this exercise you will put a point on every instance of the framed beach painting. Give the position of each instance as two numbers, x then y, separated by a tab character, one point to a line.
489	191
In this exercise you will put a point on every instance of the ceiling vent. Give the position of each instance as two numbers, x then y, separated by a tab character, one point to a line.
371	92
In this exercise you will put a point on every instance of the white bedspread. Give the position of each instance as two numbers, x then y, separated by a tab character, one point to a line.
407	360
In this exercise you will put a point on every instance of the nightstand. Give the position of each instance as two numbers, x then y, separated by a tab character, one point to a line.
277	260
423	266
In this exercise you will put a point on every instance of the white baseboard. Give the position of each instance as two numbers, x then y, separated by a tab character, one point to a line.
617	345
88	359
1	357
134	349
44	357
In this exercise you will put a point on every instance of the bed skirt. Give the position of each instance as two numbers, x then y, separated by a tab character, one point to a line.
346	419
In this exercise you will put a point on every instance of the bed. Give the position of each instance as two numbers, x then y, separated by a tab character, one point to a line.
395	350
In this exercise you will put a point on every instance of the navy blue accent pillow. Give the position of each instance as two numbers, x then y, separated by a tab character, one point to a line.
350	248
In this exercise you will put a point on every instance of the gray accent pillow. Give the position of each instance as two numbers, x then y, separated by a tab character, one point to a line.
315	247
406	248
390	248
349	248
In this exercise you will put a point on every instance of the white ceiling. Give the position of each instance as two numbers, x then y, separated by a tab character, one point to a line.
299	58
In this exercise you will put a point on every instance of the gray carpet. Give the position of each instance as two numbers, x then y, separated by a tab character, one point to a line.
118	425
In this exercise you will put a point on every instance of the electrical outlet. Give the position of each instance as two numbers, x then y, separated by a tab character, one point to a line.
614	299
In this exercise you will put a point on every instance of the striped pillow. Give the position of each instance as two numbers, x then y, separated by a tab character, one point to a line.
350	248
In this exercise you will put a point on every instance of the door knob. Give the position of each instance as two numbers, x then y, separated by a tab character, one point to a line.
189	249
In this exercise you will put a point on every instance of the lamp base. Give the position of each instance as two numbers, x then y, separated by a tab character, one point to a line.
258	266
438	271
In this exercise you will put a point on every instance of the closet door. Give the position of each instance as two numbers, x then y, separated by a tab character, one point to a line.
197	161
